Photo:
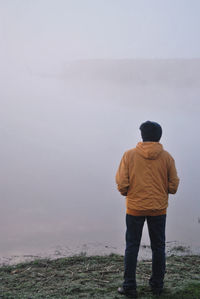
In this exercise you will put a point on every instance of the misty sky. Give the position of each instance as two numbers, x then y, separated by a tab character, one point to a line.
45	32
74	88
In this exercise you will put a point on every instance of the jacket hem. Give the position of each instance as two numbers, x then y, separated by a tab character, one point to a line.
146	212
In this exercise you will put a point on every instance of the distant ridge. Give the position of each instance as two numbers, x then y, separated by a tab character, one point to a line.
169	72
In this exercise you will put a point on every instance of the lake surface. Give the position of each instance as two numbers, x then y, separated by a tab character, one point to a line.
63	134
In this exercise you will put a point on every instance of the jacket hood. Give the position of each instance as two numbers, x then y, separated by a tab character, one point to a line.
149	150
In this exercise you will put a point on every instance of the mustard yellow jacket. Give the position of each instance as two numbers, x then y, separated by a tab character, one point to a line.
146	175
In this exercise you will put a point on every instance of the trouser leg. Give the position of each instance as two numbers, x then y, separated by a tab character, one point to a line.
156	227
134	226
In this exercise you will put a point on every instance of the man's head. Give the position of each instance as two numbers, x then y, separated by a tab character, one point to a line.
151	131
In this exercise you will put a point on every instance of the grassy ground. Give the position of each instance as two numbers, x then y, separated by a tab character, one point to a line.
95	277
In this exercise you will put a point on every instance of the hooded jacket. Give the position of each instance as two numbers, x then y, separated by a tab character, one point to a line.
146	175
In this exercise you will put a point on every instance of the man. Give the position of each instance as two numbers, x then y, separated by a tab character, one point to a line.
146	175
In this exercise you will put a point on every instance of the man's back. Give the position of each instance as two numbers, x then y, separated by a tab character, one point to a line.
146	175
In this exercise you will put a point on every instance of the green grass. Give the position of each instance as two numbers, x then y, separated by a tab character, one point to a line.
95	277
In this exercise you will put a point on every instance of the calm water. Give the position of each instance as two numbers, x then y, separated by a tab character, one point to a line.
62	138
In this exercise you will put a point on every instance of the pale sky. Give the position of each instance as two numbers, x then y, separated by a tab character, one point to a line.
55	31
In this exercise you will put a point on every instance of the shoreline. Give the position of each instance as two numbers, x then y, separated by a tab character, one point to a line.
95	249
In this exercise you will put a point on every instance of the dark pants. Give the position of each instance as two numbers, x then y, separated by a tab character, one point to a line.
156	228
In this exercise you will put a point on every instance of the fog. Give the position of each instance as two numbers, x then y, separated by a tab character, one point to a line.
62	138
67	118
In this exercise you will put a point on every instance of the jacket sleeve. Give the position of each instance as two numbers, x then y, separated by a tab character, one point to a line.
122	176
173	180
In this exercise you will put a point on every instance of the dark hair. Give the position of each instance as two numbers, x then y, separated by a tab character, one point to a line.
151	131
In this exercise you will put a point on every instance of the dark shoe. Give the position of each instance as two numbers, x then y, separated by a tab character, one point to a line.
128	293
157	291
